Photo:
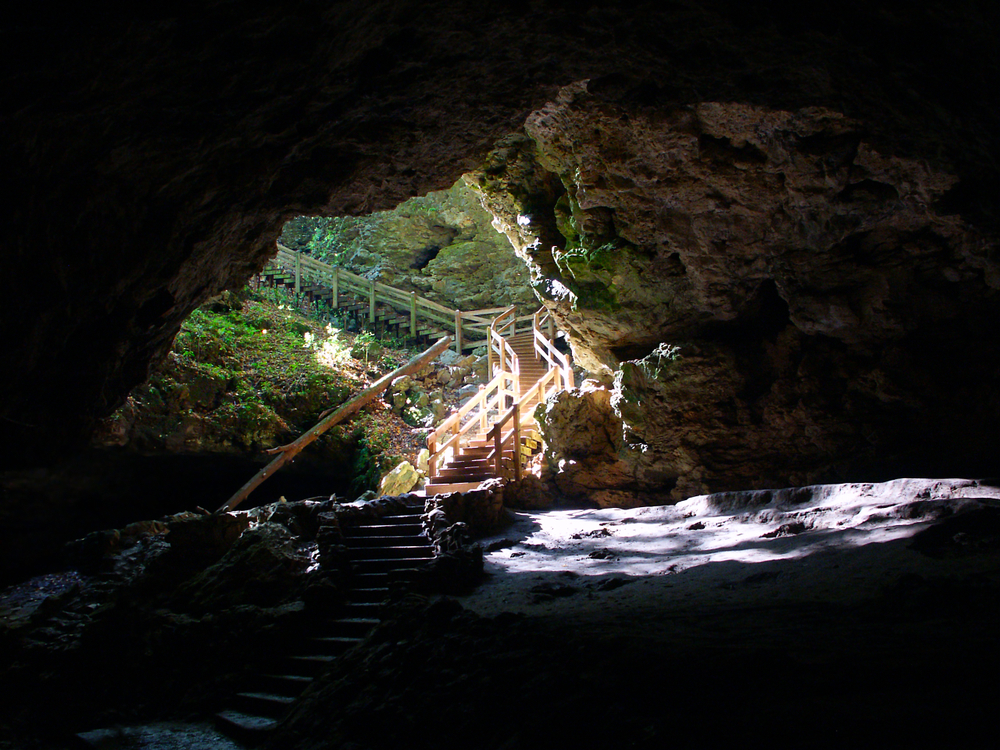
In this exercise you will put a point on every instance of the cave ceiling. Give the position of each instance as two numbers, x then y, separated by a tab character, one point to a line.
152	154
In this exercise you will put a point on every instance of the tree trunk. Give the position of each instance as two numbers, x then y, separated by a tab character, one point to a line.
288	452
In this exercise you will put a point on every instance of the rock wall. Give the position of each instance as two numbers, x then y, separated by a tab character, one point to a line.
153	152
442	246
771	299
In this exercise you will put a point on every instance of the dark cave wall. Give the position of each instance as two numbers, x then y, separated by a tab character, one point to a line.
152	153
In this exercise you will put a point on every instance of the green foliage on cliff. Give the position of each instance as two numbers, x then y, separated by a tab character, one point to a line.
246	374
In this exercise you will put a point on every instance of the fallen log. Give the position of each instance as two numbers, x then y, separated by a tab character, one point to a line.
287	452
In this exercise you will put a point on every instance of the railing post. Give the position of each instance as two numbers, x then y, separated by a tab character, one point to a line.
298	276
335	288
433	459
413	314
498	448
489	354
458	331
552	328
482	408
517	442
371	303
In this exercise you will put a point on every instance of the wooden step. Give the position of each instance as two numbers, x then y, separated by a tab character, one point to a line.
442	488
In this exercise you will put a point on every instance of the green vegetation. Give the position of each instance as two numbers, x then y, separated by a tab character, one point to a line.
250	372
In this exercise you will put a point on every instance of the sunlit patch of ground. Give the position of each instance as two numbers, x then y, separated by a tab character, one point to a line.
831	543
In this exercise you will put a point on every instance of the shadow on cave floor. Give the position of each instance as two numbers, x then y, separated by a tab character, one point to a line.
106	489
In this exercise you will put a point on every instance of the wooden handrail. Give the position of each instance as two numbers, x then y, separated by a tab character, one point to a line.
484	402
471	327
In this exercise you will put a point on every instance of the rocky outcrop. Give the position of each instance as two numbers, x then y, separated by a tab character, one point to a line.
769	298
153	152
441	245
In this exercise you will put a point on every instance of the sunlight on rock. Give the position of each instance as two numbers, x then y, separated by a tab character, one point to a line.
755	527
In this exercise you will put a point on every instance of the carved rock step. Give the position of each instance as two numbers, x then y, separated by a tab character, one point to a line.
404	529
249	729
381	540
382	565
379	553
263	704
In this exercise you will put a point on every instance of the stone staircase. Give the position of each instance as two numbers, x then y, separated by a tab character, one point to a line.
379	553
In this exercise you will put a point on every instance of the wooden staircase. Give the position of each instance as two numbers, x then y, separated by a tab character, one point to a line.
495	433
378	553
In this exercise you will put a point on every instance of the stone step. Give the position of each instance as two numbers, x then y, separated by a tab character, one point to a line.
377	540
384	565
351	627
263	704
379	552
243	727
333	645
291	685
309	664
373	595
400	529
361	609
367	580
413	516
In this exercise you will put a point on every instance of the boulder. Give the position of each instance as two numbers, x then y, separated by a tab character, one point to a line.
403	478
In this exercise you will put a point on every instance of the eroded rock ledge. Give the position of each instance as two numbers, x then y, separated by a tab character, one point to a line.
831	316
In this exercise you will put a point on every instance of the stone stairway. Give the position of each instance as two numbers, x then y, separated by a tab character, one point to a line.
379	553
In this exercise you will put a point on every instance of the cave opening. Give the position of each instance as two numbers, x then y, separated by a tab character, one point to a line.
424	256
161	159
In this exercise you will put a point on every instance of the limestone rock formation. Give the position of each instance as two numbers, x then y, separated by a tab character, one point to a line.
403	478
813	288
441	245
153	152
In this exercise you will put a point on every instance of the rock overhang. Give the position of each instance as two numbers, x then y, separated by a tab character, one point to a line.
154	154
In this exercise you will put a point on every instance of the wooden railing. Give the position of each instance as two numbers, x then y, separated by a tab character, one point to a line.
505	430
471	328
474	414
543	327
501	357
506	440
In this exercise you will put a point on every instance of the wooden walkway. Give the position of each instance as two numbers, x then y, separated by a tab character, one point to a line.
494	433
377	306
